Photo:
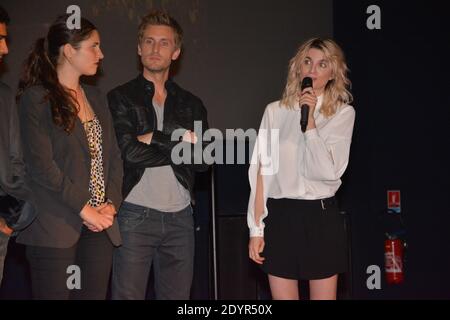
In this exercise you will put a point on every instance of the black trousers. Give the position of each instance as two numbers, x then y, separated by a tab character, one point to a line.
80	272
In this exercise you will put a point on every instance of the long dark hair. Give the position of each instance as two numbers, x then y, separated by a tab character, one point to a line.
40	69
4	17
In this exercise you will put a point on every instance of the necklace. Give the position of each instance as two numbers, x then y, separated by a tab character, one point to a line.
87	114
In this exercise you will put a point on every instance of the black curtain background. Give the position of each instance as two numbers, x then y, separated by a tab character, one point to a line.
400	84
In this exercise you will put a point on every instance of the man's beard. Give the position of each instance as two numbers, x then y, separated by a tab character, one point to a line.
155	70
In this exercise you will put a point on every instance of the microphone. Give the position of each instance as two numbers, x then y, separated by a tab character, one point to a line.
306	83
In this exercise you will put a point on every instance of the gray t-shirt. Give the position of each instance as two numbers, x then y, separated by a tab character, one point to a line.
159	188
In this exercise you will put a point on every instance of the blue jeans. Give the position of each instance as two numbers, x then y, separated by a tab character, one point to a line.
151	236
3	247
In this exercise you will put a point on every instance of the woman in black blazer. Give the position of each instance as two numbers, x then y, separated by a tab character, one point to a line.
74	166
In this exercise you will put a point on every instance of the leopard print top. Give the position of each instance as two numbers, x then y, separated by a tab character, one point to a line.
93	131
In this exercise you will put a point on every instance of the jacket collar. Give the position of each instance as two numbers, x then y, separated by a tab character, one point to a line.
170	85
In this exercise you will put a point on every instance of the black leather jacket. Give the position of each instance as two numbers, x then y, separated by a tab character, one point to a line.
133	115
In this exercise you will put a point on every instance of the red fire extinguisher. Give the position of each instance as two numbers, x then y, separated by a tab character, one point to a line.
394	258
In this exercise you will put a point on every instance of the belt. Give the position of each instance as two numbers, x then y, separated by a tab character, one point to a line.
322	203
327	202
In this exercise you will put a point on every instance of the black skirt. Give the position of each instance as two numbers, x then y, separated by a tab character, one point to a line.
305	239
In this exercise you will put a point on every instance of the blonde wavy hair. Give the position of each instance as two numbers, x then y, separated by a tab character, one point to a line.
336	91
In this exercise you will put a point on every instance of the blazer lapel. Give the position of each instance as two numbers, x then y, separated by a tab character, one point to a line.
102	116
97	108
80	134
79	131
99	111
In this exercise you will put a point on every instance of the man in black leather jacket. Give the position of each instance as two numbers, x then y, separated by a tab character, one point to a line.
152	115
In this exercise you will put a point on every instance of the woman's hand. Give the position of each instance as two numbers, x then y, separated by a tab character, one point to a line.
255	247
94	220
107	208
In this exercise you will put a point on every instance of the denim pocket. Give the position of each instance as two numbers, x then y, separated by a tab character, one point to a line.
185	218
129	217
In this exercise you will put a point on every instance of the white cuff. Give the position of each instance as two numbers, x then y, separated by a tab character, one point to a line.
256	232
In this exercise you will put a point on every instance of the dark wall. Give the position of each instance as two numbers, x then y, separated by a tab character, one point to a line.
400	80
235	54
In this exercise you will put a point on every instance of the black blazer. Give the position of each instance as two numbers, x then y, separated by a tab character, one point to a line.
58	166
12	171
12	168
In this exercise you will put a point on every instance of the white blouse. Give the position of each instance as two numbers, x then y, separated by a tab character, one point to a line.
297	165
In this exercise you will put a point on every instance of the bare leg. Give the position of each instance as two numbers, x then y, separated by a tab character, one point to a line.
283	289
323	289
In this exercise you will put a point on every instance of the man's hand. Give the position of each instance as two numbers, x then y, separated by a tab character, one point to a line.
190	137
4	228
146	138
